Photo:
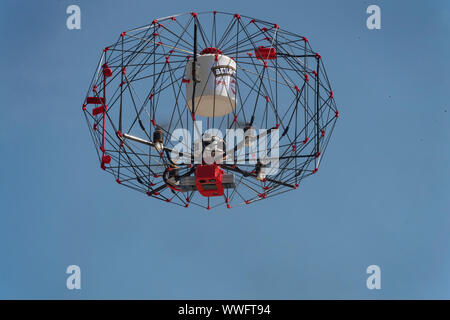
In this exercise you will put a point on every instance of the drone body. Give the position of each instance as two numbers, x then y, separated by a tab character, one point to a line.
210	109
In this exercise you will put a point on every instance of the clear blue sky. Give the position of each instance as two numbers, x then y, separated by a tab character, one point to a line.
381	196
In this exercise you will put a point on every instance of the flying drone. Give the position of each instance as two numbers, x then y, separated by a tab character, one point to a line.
210	109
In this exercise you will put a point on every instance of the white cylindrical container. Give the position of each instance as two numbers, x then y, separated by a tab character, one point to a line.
215	91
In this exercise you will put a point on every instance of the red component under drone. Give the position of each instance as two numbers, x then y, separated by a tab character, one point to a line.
263	53
208	179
